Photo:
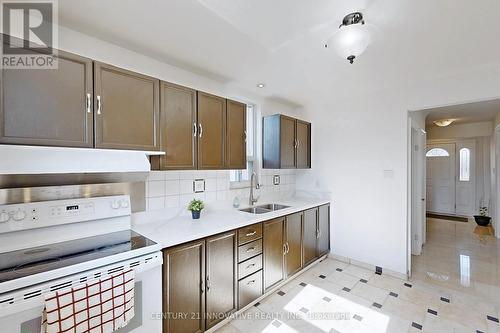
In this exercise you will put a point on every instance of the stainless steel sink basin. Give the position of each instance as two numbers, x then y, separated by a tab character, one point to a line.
255	210
263	208
273	207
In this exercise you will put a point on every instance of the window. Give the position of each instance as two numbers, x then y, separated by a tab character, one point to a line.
437	152
241	178
464	165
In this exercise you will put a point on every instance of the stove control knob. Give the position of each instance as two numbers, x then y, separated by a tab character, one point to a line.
4	217
115	204
124	204
19	215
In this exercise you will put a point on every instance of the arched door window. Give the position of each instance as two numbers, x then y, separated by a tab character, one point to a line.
437	152
464	164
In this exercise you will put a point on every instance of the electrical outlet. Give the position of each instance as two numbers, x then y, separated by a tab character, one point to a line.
199	185
276	179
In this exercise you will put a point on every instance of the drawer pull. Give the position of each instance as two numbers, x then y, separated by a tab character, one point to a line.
251	282
251	233
250	249
250	266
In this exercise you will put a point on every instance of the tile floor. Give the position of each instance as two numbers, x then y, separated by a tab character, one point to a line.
447	293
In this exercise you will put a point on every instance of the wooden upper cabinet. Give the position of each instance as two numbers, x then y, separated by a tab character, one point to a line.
49	107
236	156
303	144
286	143
184	288
211	131
221	279
310	235
274	252
293	257
126	109
178	127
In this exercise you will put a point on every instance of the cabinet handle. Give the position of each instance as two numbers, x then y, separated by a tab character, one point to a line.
201	130
195	130
202	286
295	143
298	143
245	134
250	249
98	104
287	248
251	282
250	266
208	282
318	233
284	249
251	233
88	101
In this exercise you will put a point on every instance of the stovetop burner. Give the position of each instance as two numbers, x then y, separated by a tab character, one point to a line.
21	263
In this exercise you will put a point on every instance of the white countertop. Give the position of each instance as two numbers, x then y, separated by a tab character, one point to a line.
169	228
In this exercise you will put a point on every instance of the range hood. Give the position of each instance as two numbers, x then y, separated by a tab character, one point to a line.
30	166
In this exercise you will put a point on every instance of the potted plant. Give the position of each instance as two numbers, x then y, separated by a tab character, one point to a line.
483	219
195	206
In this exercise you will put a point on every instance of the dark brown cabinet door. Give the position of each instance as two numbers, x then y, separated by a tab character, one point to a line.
249	289
178	127
293	257
274	249
324	230
211	131
126	109
50	107
310	235
288	143
221	280
183	288
303	144
236	155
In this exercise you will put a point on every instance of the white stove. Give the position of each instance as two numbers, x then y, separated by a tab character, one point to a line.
47	246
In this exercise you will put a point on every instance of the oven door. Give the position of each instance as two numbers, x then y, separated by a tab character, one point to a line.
21	314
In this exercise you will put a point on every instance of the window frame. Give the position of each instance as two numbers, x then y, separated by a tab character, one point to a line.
251	159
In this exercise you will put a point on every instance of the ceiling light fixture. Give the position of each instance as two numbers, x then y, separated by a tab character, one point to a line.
352	39
444	122
260	85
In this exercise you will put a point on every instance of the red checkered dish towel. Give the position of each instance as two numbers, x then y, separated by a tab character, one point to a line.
98	306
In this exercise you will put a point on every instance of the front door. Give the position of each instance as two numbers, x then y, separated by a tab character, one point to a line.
441	178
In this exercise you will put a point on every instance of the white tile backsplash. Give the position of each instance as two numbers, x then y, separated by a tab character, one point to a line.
174	189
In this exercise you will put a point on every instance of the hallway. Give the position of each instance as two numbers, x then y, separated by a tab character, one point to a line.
461	262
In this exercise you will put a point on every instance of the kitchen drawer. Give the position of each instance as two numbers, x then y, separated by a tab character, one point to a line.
250	233
249	289
249	266
249	250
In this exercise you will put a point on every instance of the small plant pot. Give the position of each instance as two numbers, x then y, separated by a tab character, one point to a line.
482	221
196	214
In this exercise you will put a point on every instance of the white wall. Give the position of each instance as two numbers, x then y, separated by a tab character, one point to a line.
356	138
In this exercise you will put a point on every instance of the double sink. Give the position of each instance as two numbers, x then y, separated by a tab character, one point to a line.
263	209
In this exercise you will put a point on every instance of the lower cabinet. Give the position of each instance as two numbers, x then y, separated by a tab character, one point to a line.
199	284
184	288
205	281
323	230
274	252
293	243
310	235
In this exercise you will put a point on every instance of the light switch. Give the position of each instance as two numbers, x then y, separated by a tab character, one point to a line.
199	185
276	179
389	174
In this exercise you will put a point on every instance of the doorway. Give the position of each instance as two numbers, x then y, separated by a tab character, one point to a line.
451	177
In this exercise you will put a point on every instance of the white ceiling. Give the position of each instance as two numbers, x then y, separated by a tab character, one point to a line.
280	42
465	113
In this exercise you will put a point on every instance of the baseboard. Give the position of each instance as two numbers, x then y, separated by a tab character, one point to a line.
370	267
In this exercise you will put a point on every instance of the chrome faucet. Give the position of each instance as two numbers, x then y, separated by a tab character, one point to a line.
253	200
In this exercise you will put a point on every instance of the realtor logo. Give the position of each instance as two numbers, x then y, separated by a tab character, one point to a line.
29	31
